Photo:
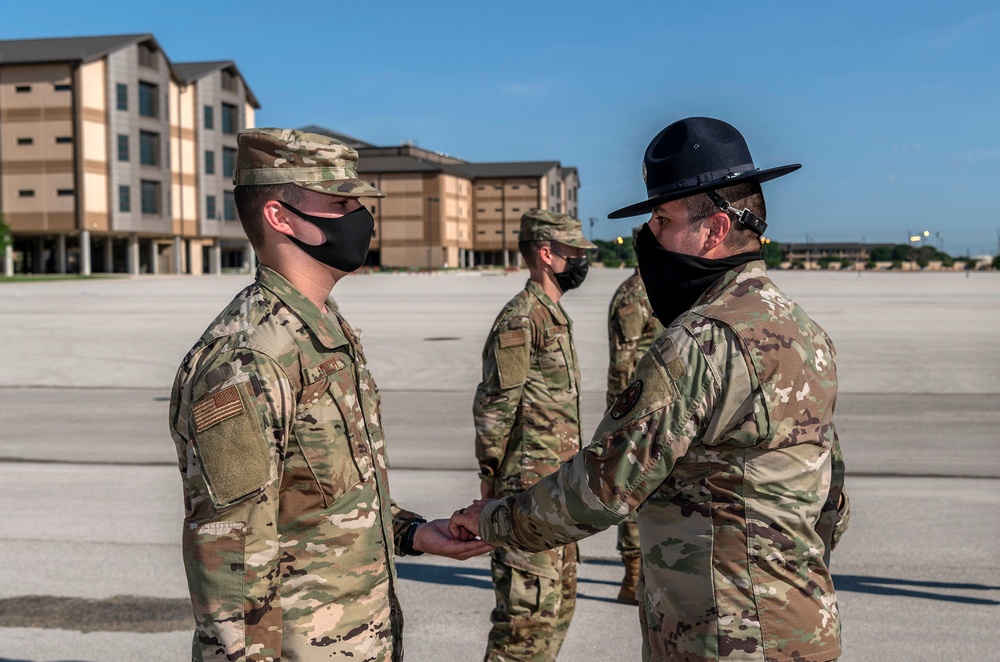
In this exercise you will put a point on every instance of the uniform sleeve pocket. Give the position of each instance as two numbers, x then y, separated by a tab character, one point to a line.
513	352
229	438
631	322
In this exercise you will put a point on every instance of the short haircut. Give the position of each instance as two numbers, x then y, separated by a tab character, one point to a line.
529	250
746	195
250	201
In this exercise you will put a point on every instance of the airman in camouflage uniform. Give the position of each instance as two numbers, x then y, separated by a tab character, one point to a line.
289	527
724	441
527	418
632	328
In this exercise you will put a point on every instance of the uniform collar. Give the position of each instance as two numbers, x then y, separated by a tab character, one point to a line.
754	268
556	309
325	327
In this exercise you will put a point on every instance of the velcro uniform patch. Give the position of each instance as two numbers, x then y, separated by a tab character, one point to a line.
513	352
231	445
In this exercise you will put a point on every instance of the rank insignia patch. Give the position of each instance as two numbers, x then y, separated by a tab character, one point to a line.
626	400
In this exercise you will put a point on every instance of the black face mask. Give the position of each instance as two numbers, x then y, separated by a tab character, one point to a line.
674	281
574	274
347	238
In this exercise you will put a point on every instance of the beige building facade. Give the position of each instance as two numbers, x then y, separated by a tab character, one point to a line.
444	212
103	148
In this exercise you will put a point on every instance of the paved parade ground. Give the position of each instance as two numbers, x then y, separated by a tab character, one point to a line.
90	510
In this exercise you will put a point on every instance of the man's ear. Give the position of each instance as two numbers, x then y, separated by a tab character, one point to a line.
545	255
274	215
718	226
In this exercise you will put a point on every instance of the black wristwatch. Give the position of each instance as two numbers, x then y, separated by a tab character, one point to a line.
406	542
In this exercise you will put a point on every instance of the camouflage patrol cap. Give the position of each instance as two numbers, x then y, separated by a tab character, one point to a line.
308	160
545	225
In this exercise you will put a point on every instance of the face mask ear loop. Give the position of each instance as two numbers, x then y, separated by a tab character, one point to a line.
745	216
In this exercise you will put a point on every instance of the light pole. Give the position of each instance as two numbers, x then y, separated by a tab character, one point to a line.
593	220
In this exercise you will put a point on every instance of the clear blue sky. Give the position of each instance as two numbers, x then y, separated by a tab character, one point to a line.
892	108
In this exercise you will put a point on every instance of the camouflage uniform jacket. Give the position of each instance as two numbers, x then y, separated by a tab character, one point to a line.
726	444
527	408
632	328
289	528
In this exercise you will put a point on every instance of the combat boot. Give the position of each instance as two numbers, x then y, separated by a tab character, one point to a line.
631	581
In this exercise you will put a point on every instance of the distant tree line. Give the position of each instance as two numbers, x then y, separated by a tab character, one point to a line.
614	254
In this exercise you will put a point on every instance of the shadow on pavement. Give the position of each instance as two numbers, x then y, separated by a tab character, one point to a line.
449	575
908	588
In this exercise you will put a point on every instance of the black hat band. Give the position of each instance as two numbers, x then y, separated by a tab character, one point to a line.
699	180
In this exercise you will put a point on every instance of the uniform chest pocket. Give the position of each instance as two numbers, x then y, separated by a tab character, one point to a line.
331	433
554	358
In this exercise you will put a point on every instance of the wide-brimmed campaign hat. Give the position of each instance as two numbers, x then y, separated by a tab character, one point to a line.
694	155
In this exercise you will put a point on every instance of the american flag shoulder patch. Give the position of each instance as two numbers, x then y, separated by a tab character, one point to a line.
513	338
217	407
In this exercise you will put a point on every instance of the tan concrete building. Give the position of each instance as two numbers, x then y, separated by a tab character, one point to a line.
104	162
441	211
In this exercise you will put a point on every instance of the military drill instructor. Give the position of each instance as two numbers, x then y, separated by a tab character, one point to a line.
289	528
527	418
724	440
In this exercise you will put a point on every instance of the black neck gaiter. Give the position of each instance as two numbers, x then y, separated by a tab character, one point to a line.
674	281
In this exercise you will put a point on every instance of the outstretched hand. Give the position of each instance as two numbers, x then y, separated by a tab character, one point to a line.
464	523
434	538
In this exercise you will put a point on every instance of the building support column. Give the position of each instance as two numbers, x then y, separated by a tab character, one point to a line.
178	254
216	258
85	253
8	260
506	258
109	255
154	257
132	255
61	254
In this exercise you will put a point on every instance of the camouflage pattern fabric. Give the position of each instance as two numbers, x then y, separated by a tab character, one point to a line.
289	528
527	417
309	160
725	444
533	611
545	225
632	328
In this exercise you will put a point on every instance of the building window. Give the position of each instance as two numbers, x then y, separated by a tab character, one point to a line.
63	140
149	99
147	56
26	193
150	198
62	87
64	191
209	118
229	206
122	147
228	161
210	206
22	89
25	141
209	162
149	148
229	80
121	94
124	198
515	187
230	119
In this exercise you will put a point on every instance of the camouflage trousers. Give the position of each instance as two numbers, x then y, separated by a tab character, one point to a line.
533	611
628	536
